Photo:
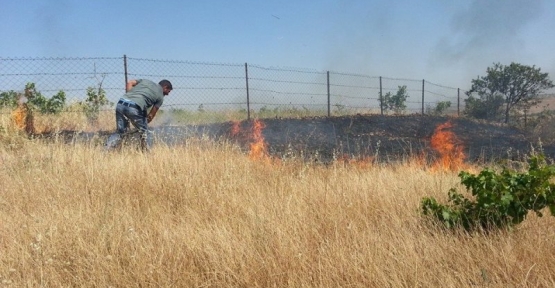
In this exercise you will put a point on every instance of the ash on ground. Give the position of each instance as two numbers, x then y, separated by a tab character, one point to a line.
384	138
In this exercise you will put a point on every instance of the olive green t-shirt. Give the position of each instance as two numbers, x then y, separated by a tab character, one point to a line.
146	94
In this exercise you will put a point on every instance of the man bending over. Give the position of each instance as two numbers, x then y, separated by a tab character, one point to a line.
141	94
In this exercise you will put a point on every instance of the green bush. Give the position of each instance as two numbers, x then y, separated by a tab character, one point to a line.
96	99
9	99
440	108
487	107
500	200
53	105
395	102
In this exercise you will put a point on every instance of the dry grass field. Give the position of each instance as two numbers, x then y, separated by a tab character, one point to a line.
205	214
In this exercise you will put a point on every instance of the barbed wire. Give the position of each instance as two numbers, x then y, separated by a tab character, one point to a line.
186	76
56	58
437	94
447	87
297	70
184	62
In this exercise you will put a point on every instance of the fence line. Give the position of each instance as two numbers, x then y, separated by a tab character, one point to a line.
220	86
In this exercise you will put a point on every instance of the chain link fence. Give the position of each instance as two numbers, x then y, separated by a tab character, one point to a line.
71	75
201	86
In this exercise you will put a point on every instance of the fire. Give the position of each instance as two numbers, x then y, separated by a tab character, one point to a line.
235	128
23	118
258	147
445	142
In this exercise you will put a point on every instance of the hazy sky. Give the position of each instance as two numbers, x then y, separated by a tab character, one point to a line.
446	42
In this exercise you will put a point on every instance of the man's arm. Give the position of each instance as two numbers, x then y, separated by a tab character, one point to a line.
152	113
130	85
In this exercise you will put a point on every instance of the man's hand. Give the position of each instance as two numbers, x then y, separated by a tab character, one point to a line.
152	113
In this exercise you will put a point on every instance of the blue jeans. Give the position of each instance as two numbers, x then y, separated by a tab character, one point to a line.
128	112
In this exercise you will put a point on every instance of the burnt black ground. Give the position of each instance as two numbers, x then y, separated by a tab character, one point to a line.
385	138
391	138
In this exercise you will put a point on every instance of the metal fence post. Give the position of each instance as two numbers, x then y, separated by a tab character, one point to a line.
328	84
458	101
247	86
381	97
125	70
422	96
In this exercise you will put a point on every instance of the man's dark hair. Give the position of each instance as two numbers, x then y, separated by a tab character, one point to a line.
166	83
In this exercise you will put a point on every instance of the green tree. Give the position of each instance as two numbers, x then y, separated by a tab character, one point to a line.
395	102
513	86
96	99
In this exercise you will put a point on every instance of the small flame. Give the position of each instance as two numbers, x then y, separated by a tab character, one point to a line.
258	147
23	118
235	128
449	148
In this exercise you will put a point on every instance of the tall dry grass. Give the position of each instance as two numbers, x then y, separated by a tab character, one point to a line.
72	119
205	215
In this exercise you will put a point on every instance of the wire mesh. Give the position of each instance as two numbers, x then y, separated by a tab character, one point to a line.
413	90
436	94
71	75
286	90
196	85
353	93
219	86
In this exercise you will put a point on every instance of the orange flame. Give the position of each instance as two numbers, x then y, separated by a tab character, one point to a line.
258	147
449	148
235	128
23	118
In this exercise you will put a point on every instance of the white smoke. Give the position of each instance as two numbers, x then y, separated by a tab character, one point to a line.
484	33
